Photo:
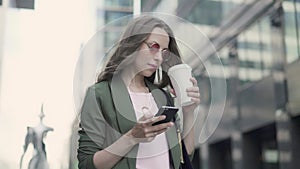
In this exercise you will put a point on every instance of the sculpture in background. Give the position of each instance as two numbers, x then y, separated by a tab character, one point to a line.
35	136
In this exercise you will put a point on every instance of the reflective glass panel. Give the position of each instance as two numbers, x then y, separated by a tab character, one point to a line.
290	31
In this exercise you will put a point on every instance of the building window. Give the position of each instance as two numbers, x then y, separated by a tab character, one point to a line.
26	4
229	6
115	22
148	6
291	32
254	52
297	8
118	3
224	58
202	13
113	18
110	38
265	45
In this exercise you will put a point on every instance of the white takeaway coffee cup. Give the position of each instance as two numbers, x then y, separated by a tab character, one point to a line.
180	76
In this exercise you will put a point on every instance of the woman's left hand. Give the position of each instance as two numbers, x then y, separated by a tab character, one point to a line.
194	93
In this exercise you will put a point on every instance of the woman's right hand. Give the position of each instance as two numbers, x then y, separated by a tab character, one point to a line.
143	131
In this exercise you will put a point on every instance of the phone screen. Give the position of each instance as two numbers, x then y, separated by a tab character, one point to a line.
168	111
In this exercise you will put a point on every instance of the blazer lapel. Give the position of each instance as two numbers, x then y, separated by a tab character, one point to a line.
174	145
125	114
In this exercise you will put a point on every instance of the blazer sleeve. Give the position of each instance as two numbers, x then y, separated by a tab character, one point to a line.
92	130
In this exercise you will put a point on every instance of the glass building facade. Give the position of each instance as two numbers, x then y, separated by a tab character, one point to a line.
254	52
291	10
113	11
257	44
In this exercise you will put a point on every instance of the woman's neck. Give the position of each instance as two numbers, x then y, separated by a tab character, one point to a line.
136	83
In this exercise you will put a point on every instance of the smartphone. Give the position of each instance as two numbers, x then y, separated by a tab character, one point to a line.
168	111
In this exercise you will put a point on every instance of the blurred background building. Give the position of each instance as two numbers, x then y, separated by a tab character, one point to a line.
258	44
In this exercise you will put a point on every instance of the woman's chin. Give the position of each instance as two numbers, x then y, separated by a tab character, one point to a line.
148	73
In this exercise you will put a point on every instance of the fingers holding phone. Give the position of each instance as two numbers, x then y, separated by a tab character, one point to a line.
167	111
145	131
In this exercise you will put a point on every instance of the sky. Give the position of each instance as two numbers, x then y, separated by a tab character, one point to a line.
41	48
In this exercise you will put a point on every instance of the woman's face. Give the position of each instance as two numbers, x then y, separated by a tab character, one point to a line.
151	53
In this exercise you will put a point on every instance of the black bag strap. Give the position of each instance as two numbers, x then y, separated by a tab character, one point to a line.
185	162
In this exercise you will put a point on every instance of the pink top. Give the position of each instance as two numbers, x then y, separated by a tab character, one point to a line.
152	154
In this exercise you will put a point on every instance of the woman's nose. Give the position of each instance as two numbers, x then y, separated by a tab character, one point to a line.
158	56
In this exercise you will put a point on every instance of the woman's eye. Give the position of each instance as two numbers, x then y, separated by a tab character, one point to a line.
155	46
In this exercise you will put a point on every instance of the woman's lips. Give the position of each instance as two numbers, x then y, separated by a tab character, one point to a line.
153	66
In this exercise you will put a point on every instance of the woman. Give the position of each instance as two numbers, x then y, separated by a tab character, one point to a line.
118	111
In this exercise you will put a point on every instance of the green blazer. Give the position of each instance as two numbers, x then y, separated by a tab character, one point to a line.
107	113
